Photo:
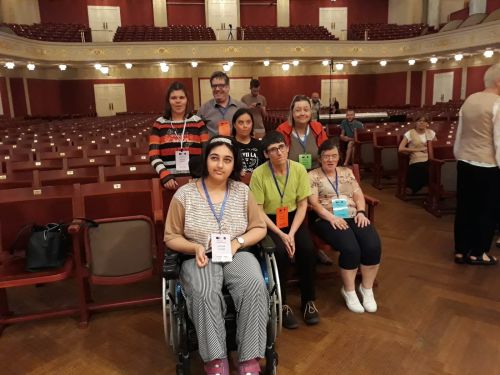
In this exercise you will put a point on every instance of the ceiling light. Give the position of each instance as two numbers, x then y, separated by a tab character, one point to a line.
354	62
411	62
295	62
339	66
459	57
226	67
104	69
285	67
97	66
488	53
325	62
433	59
31	66
62	67
10	65
266	62
128	65
164	67
383	62
194	64
230	63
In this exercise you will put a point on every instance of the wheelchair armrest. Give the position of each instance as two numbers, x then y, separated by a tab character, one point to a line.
371	201
267	244
171	265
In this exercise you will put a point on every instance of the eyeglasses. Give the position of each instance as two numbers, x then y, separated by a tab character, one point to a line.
329	157
218	86
275	150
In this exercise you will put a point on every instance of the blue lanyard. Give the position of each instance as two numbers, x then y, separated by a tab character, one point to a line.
282	194
303	143
336	186
218	218
223	110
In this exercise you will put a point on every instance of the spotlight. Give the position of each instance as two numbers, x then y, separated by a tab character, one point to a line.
285	67
164	67
488	53
433	59
383	62
97	66
325	62
354	62
128	65
62	67
104	69
230	63
31	66
339	66
459	57
194	64
226	67
411	62
266	62
10	65
295	62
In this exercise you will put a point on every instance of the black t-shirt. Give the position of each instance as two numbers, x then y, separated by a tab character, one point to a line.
251	154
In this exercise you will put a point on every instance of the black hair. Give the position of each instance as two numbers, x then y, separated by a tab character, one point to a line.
176	86
238	113
254	83
271	138
327	145
219	74
230	143
297	98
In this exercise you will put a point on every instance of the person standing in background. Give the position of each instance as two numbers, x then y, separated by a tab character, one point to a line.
315	106
257	104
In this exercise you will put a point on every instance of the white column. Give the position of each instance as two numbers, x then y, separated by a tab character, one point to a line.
27	96
9	97
160	13
408	87
283	13
477	6
463	86
433	12
422	94
20	11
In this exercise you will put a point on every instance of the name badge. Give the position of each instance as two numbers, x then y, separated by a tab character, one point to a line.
221	248
182	160
340	208
306	160
224	128
282	217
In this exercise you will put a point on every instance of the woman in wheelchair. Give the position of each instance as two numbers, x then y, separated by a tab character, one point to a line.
339	219
211	220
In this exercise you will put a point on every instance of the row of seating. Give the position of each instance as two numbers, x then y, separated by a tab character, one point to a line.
385	31
169	33
298	32
52	32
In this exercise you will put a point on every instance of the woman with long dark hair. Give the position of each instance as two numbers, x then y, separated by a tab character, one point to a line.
250	148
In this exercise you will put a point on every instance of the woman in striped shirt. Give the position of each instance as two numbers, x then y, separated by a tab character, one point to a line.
176	139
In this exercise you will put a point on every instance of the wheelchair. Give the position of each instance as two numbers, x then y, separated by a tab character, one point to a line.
179	330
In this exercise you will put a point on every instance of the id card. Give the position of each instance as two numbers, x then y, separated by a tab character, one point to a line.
224	128
282	217
182	160
340	208
306	160
221	248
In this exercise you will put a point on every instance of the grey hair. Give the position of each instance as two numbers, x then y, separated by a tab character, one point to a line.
491	75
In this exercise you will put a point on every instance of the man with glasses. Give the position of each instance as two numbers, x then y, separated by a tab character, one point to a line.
218	112
281	187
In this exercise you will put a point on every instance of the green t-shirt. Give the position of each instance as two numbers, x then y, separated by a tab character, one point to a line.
265	192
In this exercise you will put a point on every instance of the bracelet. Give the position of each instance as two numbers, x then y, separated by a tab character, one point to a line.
361	212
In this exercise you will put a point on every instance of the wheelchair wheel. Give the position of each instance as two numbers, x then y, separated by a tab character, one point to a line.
275	297
166	311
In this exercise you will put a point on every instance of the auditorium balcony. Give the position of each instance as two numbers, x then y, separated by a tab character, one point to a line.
299	32
381	31
52	32
143	33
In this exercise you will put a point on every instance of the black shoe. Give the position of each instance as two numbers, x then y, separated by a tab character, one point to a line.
311	314
289	320
323	258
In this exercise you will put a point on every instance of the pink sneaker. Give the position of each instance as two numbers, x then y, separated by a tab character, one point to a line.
217	367
251	367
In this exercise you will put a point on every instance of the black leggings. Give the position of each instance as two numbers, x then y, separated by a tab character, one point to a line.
356	245
417	176
305	260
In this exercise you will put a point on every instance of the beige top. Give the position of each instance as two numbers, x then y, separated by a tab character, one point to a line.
347	186
478	134
190	216
249	99
417	140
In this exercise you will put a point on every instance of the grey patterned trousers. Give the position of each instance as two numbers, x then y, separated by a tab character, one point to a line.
206	307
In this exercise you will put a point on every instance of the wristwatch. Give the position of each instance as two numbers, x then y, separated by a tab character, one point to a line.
241	241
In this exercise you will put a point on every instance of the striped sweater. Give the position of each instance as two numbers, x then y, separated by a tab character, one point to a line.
165	140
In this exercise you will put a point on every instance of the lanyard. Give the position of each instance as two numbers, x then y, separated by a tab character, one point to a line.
181	138
336	186
218	218
223	110
303	143
282	194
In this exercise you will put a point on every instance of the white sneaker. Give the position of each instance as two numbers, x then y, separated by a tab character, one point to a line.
352	301
368	299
